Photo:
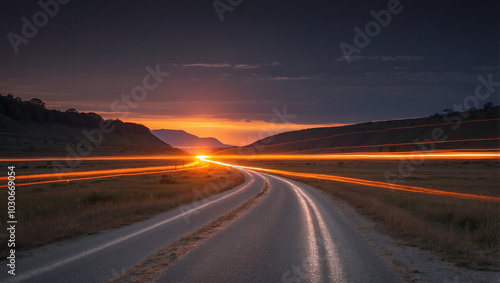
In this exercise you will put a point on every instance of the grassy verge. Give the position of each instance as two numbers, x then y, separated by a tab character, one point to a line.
465	232
52	212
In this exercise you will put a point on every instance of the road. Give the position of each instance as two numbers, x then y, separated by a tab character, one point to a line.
292	234
99	257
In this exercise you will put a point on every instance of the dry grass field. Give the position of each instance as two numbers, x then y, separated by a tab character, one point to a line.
465	232
48	213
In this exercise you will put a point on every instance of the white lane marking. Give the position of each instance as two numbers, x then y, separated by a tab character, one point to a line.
41	270
332	260
314	261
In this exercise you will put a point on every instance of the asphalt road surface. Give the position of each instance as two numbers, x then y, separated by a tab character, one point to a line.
292	234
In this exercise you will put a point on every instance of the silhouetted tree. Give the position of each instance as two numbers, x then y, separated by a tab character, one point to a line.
38	102
488	105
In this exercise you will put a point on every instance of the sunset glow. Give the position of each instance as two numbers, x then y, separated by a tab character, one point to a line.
232	132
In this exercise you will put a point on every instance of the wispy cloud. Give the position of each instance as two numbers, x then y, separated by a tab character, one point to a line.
487	68
205	65
286	78
383	58
277	78
246	66
227	65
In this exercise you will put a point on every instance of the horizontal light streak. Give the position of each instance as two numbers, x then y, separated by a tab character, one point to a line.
106	176
441	154
87	175
99	158
362	182
393	144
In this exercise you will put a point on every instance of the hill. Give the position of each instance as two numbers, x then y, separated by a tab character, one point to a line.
187	141
28	128
477	129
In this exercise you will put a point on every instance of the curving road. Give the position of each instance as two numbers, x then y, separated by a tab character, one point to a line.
292	234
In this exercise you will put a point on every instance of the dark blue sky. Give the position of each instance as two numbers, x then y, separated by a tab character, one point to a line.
264	55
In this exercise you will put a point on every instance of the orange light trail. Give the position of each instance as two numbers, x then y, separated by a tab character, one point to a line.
99	158
362	182
393	144
99	174
372	131
106	176
438	154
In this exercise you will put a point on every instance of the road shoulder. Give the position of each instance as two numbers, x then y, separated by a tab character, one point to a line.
154	265
412	264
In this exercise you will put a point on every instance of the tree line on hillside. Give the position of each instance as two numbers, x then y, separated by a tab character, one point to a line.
34	111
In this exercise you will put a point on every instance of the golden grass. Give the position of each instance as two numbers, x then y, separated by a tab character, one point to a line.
52	212
465	232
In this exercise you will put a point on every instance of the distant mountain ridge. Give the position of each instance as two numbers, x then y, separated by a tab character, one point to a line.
478	129
185	140
30	128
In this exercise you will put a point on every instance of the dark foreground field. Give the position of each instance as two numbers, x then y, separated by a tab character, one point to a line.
51	212
465	232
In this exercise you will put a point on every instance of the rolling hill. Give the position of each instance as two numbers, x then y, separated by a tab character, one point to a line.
187	141
29	128
477	129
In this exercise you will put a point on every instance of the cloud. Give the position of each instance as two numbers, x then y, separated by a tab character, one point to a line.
246	66
353	58
268	78
227	65
398	76
487	68
205	65
382	58
397	58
